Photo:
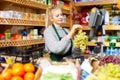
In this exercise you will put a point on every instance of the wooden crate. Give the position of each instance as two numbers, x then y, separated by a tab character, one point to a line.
37	73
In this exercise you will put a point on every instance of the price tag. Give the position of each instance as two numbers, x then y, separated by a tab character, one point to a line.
112	44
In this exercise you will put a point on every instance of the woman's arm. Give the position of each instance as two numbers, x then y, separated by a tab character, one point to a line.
54	45
73	31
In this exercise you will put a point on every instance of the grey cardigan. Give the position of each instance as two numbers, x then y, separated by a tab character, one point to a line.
54	45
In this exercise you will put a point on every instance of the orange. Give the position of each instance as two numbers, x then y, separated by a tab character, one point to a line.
1	77
29	76
6	74
16	78
29	67
118	4
17	65
18	69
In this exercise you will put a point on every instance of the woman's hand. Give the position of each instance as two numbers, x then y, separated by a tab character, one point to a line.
76	27
73	30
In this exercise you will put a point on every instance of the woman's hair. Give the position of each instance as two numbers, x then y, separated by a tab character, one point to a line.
49	14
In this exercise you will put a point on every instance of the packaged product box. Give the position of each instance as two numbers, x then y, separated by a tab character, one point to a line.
86	71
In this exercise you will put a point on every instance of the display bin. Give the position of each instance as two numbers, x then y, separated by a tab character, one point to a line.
37	72
69	65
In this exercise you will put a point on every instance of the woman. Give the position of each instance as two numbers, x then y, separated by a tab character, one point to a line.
58	40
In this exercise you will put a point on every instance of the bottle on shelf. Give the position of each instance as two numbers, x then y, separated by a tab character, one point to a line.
24	34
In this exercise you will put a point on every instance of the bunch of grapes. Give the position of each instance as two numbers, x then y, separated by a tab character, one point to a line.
81	40
109	59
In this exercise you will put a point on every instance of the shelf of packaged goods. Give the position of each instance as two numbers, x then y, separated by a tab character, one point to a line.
21	42
104	44
107	27
12	21
99	2
66	25
27	3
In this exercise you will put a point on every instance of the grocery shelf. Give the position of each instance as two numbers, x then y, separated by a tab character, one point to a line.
105	44
100	2
12	21
27	3
107	27
21	42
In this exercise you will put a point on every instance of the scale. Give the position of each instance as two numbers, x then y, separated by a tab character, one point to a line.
97	19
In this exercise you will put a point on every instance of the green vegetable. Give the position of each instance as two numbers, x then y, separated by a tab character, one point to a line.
56	76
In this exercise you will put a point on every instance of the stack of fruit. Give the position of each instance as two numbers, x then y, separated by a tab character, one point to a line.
109	59
19	71
109	68
108	71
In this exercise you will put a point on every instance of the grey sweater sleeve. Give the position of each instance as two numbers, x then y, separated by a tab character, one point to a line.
53	44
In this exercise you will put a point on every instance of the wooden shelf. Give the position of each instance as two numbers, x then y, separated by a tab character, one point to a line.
21	42
63	10
91	44
100	2
105	44
67	0
66	11
67	25
112	27
86	28
107	27
11	21
27	3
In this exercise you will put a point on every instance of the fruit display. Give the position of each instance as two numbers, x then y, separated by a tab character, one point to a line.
80	40
109	59
108	71
19	71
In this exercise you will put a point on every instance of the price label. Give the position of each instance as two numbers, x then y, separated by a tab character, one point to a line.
112	44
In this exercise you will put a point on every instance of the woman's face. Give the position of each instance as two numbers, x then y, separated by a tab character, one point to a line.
57	16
